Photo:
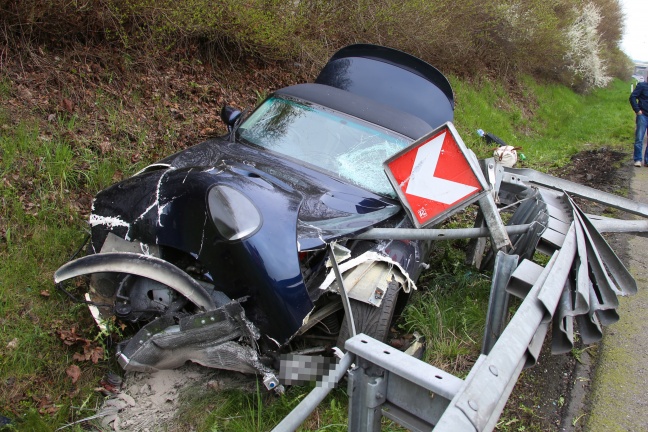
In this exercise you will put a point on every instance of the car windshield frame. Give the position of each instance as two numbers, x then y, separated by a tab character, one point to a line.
328	140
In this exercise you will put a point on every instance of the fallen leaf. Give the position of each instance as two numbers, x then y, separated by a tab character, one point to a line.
91	352
74	372
45	293
96	354
13	344
67	105
70	337
105	146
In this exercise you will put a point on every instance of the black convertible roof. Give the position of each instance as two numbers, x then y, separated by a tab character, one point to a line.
393	78
359	106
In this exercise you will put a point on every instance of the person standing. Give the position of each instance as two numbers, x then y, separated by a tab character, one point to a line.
639	102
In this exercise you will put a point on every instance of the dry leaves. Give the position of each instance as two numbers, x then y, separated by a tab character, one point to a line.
93	353
70	337
74	372
67	105
91	350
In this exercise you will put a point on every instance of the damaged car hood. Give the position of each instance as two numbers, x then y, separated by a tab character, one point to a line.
245	217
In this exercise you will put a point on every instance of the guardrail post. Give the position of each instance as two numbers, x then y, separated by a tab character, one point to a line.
367	393
499	299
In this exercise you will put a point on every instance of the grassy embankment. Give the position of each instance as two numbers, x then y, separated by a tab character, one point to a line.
51	163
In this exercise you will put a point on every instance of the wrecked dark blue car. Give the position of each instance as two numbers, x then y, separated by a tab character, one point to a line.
219	254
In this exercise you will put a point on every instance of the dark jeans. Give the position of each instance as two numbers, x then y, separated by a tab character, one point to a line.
640	132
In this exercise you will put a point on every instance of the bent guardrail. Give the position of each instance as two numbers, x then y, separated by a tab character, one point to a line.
577	287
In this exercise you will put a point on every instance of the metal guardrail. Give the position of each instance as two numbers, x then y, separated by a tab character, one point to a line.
577	287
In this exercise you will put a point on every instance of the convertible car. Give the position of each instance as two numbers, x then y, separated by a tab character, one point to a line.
221	254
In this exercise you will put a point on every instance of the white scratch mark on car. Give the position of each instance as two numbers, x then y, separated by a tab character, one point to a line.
186	175
202	237
160	210
109	221
156	202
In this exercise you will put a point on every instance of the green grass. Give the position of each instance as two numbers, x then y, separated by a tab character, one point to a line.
449	310
240	411
549	122
42	174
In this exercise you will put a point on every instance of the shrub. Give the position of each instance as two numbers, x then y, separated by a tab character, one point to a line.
583	57
564	40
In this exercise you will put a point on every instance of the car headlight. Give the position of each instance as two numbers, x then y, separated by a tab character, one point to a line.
235	216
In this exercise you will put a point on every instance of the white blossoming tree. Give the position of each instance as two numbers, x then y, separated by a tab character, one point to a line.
583	57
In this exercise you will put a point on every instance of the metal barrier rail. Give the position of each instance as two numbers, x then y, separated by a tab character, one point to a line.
579	284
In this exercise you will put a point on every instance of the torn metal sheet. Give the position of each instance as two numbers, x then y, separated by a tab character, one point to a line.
581	301
523	278
368	280
369	259
533	177
591	275
208	339
498	301
559	274
340	253
625	281
563	329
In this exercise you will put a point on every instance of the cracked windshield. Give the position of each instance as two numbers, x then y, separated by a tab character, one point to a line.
348	147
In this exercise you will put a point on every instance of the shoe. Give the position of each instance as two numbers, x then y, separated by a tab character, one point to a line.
637	163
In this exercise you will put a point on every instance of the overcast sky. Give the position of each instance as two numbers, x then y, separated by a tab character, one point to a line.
635	37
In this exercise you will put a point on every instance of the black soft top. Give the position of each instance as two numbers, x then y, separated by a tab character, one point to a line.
393	78
359	106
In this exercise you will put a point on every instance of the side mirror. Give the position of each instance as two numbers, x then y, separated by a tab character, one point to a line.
230	115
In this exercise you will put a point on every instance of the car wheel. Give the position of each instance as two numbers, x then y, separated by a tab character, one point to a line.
371	320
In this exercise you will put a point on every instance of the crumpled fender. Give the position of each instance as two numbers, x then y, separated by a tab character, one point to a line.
169	208
141	265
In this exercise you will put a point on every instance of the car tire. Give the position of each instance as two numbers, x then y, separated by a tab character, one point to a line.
371	320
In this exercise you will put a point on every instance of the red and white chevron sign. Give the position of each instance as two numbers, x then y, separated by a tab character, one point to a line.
435	176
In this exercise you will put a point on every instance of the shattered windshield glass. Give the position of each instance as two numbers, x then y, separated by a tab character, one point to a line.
346	146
